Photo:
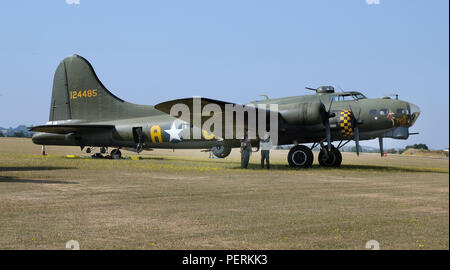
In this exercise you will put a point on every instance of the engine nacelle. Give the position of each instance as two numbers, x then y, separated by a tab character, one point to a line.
301	113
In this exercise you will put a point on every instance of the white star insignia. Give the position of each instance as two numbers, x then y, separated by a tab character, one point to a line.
174	132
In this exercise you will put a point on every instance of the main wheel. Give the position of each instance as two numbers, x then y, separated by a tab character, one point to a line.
221	151
334	158
338	155
116	154
300	156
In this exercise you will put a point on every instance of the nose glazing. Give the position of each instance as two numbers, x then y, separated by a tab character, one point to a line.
413	113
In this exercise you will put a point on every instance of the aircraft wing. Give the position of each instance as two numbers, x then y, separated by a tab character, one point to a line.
66	129
189	102
166	106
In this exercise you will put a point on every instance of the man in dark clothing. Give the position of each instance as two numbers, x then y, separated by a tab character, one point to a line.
246	148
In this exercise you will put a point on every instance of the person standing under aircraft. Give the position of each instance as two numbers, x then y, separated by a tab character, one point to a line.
246	148
265	147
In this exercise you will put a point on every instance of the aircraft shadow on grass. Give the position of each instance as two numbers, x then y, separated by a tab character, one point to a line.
32	168
348	167
158	158
10	179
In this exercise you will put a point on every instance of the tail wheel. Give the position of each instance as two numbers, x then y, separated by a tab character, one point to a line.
300	156
333	159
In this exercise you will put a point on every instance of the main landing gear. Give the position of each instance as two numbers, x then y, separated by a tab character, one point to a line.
115	153
301	156
331	158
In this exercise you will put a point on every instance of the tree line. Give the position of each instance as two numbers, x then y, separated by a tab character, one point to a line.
18	134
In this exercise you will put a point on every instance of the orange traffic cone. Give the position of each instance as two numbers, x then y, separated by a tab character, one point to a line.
43	150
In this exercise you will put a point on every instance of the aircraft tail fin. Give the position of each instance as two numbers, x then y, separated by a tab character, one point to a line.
79	94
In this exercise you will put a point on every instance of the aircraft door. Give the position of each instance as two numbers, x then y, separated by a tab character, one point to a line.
138	137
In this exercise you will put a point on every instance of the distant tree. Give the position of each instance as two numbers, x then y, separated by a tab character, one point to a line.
1	134
353	149
417	146
391	151
19	134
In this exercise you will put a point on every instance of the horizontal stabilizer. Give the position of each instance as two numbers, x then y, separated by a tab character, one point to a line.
66	129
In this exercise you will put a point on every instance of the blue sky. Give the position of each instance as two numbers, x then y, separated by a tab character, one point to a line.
147	52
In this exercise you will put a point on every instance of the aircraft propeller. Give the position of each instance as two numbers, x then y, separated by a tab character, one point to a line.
326	115
355	123
380	141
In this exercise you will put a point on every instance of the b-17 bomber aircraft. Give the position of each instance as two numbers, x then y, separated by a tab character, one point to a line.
84	113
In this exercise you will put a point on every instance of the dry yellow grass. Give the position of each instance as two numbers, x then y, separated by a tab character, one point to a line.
184	200
425	153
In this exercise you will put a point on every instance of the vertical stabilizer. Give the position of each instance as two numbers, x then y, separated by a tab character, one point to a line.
78	94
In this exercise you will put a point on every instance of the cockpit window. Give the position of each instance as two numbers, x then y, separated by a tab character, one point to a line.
358	96
400	111
347	97
373	112
344	98
383	111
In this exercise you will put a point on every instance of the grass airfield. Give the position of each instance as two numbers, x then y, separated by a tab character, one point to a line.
185	200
